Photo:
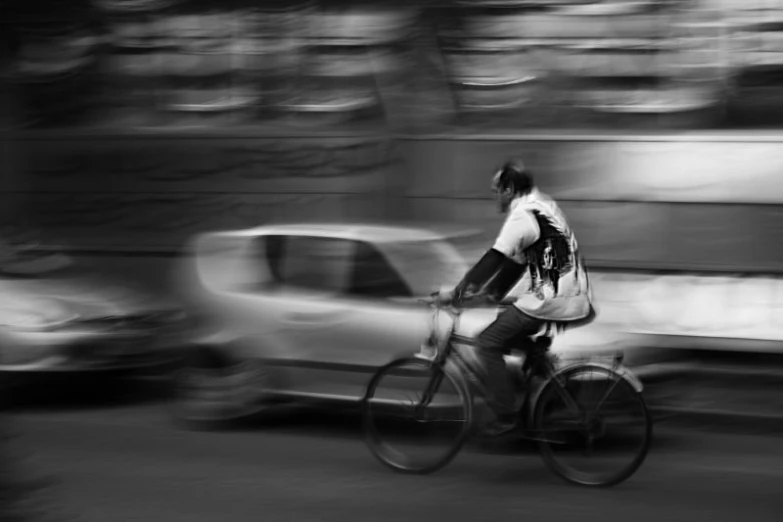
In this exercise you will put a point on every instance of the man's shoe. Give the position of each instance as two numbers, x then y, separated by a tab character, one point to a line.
500	427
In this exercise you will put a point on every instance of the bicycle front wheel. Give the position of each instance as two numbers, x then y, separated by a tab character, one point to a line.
416	416
595	428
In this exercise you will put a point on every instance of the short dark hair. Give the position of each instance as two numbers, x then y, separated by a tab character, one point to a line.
515	176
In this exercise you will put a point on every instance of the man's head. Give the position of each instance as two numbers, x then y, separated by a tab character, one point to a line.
511	181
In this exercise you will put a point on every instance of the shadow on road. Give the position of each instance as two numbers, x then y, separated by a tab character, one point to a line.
83	393
131	395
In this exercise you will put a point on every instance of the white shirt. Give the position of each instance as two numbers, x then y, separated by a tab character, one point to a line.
564	296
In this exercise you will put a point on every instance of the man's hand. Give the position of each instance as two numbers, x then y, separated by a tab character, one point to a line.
448	297
445	297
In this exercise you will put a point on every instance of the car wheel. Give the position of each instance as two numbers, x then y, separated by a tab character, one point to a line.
211	392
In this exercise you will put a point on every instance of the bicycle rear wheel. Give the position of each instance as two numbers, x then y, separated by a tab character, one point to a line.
405	432
607	440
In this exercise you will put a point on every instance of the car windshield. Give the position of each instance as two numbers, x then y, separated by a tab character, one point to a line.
426	266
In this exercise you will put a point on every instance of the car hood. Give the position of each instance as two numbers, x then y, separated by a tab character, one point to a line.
76	298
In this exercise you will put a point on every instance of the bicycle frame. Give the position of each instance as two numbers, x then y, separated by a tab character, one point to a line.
446	353
450	363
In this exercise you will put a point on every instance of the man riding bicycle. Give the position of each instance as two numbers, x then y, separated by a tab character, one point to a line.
536	260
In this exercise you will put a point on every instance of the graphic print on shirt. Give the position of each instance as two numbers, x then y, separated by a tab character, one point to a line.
554	254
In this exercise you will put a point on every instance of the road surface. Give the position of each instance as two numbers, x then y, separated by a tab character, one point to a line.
128	463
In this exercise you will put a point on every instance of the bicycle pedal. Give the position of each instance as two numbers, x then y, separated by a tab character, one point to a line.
537	437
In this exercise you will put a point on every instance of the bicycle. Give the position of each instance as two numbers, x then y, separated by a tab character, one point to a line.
440	362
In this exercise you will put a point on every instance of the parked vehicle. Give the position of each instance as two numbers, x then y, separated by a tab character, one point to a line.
309	312
62	317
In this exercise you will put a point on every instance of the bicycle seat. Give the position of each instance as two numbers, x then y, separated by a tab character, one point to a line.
567	325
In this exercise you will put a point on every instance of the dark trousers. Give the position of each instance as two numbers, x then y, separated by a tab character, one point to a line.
493	343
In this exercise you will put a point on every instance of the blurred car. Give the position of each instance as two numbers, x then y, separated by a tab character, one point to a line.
309	312
59	317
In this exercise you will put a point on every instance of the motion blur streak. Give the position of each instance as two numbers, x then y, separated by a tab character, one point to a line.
228	205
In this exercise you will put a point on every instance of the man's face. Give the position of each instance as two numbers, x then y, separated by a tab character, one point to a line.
503	198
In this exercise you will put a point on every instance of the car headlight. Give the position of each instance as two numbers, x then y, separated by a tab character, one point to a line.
42	317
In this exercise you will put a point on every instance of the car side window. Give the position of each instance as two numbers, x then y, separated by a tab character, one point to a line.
228	262
374	277
316	263
261	263
274	249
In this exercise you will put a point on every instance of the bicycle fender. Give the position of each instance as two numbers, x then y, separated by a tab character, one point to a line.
622	371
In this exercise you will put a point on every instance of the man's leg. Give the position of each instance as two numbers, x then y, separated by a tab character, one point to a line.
492	344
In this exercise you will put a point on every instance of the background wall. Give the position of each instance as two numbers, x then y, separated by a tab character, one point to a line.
655	216
667	202
155	192
693	204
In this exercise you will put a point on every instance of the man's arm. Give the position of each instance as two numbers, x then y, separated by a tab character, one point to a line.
510	272
481	273
518	232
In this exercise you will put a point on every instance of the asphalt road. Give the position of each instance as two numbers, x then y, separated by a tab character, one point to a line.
128	463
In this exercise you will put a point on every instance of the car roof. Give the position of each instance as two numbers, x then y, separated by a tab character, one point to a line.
369	233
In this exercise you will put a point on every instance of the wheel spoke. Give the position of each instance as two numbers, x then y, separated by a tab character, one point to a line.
596	451
603	399
430	435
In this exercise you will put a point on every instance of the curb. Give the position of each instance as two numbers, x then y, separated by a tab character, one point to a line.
744	387
666	371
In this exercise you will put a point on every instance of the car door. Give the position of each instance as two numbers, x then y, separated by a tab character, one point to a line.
387	323
343	311
311	275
